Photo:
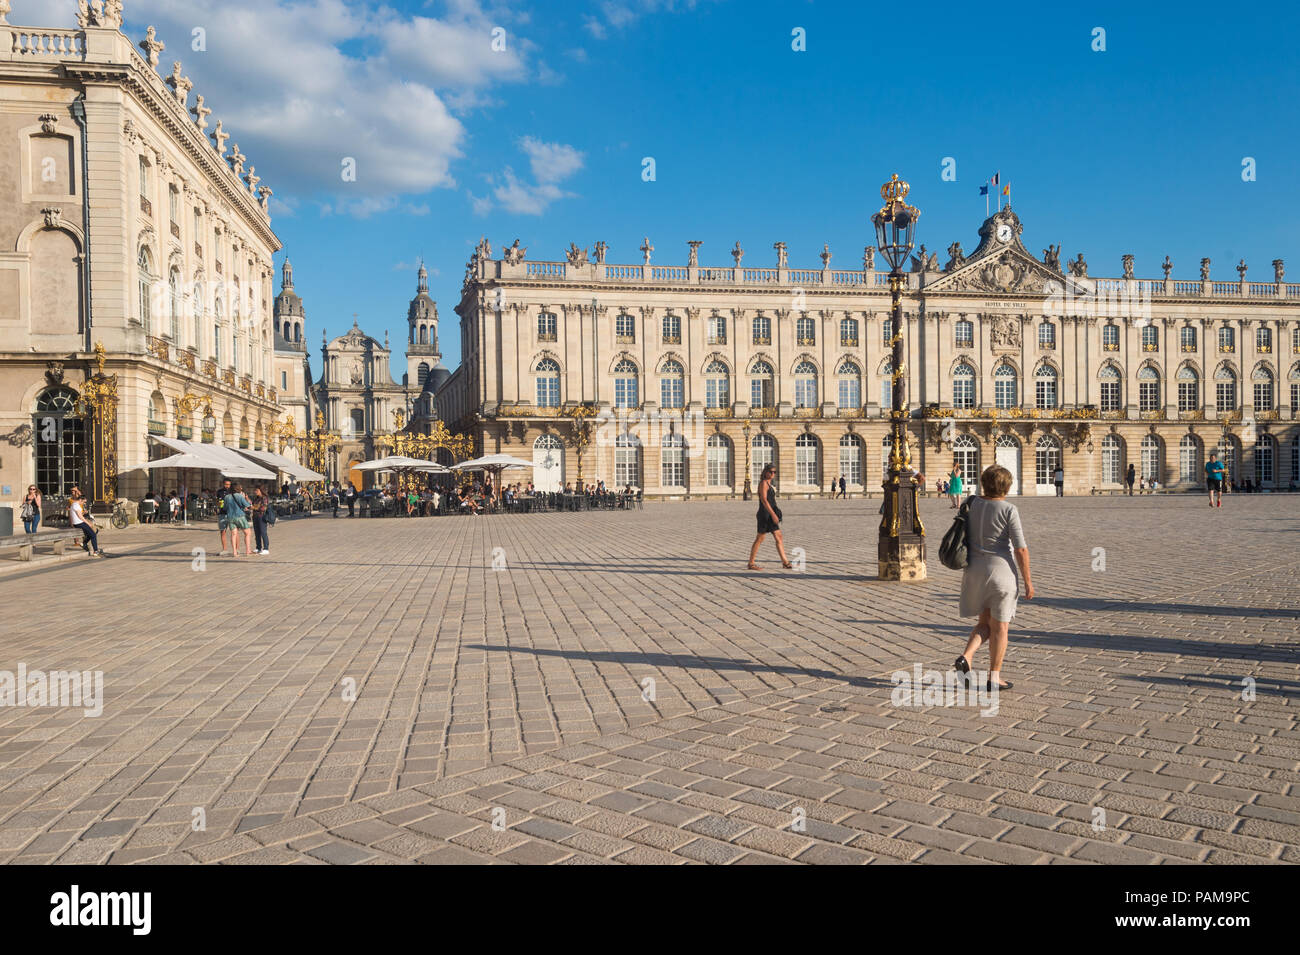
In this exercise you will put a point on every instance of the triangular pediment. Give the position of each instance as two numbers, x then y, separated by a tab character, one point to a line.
1002	264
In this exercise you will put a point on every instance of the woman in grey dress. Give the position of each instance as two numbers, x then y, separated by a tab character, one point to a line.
989	585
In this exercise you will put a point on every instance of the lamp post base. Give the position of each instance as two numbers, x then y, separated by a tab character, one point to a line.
902	558
901	547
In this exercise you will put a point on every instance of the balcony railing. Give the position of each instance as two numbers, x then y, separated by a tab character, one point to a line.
853	342
717	339
157	347
185	358
146	206
209	368
762	339
807	340
762	412
672	339
625	339
1110	346
1150	346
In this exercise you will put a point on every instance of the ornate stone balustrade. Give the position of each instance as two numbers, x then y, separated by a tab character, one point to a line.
36	43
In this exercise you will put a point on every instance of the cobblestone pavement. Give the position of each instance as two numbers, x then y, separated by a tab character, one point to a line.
501	715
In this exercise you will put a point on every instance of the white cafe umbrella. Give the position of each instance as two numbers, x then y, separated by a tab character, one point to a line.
492	462
394	462
181	460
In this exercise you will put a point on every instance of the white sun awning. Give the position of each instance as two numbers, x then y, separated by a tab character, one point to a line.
219	458
295	470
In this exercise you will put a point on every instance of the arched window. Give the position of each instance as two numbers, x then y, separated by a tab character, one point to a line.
966	454
1265	454
717	385
1046	335
1149	389
1110	388
1112	459
218	319
197	307
1189	389
1152	465
1262	379
887	386
762	453
60	439
805	385
673	461
627	461
848	333
1005	386
760	385
1189	460
174	306
1047	458
806	330
546	327
1225	389
851	449
1110	337
850	380
718	461
145	280
807	460
422	373
672	385
672	329
963	331
625	328
627	393
1045	387
762	326
424	334
963	386
548	383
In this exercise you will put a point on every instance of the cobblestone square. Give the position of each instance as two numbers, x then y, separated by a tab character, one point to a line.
463	690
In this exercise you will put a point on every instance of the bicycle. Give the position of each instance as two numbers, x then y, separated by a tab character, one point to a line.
120	517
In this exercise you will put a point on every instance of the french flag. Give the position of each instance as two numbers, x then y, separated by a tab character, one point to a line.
997	178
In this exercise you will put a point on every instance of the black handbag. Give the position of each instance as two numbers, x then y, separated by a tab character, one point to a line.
953	551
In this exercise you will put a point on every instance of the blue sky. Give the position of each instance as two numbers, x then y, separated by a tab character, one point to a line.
1137	149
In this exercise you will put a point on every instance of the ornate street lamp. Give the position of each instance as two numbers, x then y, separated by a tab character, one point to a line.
901	547
748	490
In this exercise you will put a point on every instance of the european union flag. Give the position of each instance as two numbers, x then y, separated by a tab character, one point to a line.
984	189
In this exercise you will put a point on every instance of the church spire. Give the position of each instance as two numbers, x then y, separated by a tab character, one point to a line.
286	274
423	285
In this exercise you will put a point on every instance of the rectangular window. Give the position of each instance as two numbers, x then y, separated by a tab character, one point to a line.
887	332
717	330
761	392
850	393
284	381
1148	396
1225	395
546	327
1045	393
1187	338
851	463
674	466
1263	396
1110	396
670	392
1187	396
625	392
719	465
963	393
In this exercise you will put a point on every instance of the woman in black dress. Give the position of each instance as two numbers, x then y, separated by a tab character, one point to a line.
769	519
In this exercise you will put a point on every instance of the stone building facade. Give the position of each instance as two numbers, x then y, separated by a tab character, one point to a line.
358	397
686	379
127	227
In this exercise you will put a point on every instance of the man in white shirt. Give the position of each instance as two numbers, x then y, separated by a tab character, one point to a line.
78	518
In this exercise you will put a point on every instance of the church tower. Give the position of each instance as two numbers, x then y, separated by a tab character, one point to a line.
292	363
422	354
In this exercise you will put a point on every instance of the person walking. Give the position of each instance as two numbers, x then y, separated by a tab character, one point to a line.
1130	479
1214	473
769	519
31	510
261	539
956	486
237	507
989	584
844	488
80	518
1058	478
334	499
351	498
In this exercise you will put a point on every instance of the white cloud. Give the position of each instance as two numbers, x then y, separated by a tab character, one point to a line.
550	162
303	84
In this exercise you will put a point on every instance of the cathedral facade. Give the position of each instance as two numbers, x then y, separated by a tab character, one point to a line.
686	380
